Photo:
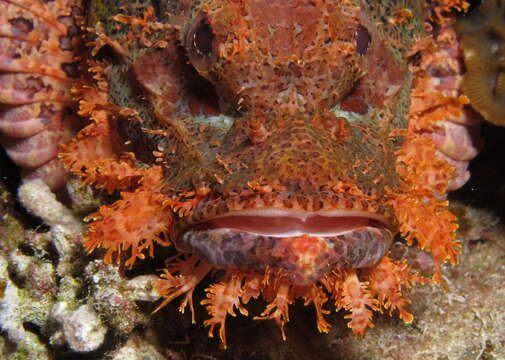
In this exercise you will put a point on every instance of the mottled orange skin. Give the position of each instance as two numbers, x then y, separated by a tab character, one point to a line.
281	70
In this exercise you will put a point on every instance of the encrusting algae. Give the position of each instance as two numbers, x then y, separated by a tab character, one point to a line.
283	142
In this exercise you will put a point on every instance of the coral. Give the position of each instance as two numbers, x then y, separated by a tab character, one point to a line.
17	307
43	278
81	328
37	197
115	297
482	41
39	200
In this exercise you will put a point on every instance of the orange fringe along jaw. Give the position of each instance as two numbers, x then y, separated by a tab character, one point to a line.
377	288
354	273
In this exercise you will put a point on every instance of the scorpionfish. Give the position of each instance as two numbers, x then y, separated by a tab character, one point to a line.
279	146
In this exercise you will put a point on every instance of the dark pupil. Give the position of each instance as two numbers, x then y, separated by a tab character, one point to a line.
203	39
363	40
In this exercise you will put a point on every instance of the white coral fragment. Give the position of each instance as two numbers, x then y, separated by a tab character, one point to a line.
82	328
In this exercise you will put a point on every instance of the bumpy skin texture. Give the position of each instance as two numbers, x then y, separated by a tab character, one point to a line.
330	105
37	47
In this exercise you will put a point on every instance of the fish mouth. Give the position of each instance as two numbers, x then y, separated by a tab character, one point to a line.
305	244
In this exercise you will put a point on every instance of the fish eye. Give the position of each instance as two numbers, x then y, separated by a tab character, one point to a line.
200	40
363	40
203	37
200	44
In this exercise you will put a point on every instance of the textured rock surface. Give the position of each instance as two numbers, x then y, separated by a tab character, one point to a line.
54	302
136	348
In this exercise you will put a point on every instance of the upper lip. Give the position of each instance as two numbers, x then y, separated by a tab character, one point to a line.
279	222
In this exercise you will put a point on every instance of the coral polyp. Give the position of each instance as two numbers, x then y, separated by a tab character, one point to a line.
481	34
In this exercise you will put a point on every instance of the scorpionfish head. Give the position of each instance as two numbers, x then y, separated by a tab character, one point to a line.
278	114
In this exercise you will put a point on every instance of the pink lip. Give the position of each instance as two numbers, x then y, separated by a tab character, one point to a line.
285	223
